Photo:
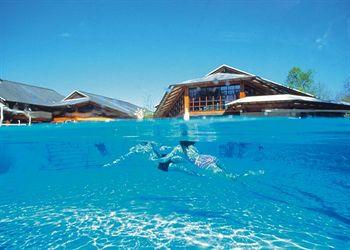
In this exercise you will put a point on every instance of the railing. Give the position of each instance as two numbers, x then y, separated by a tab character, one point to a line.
207	104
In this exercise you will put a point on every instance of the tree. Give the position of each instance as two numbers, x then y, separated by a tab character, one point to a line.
345	94
304	81
319	90
300	80
148	102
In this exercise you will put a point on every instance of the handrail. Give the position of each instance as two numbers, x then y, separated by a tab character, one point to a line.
207	104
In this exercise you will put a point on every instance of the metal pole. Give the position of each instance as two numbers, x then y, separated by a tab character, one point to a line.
1	115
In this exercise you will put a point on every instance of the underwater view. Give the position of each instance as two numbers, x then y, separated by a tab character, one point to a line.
219	182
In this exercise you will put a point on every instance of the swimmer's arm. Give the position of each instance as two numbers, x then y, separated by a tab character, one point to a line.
155	150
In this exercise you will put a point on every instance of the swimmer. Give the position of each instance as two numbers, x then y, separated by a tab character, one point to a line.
186	152
179	158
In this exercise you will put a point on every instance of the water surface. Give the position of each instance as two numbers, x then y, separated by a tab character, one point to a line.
60	188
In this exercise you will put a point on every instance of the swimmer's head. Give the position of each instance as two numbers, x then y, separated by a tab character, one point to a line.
185	144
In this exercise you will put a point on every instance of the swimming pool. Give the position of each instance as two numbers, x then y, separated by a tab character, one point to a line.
90	185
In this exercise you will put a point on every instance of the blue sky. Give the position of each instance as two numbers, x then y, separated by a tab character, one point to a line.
133	50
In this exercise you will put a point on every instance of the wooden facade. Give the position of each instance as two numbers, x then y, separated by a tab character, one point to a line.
86	111
213	94
84	106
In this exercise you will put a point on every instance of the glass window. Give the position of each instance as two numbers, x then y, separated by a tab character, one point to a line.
216	92
194	92
212	98
213	92
203	92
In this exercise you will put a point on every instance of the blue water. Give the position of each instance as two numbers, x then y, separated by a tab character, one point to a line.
87	185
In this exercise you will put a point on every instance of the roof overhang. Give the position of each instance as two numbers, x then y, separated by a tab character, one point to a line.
202	81
273	98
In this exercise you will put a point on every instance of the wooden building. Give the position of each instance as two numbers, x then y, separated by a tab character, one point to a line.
84	106
22	103
220	91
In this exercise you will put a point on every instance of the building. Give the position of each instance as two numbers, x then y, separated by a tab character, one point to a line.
230	91
23	103
84	106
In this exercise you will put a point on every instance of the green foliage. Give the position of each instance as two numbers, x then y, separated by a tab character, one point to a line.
149	115
300	80
345	94
346	99
304	81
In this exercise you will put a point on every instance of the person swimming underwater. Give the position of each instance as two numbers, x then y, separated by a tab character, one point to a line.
186	152
180	158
